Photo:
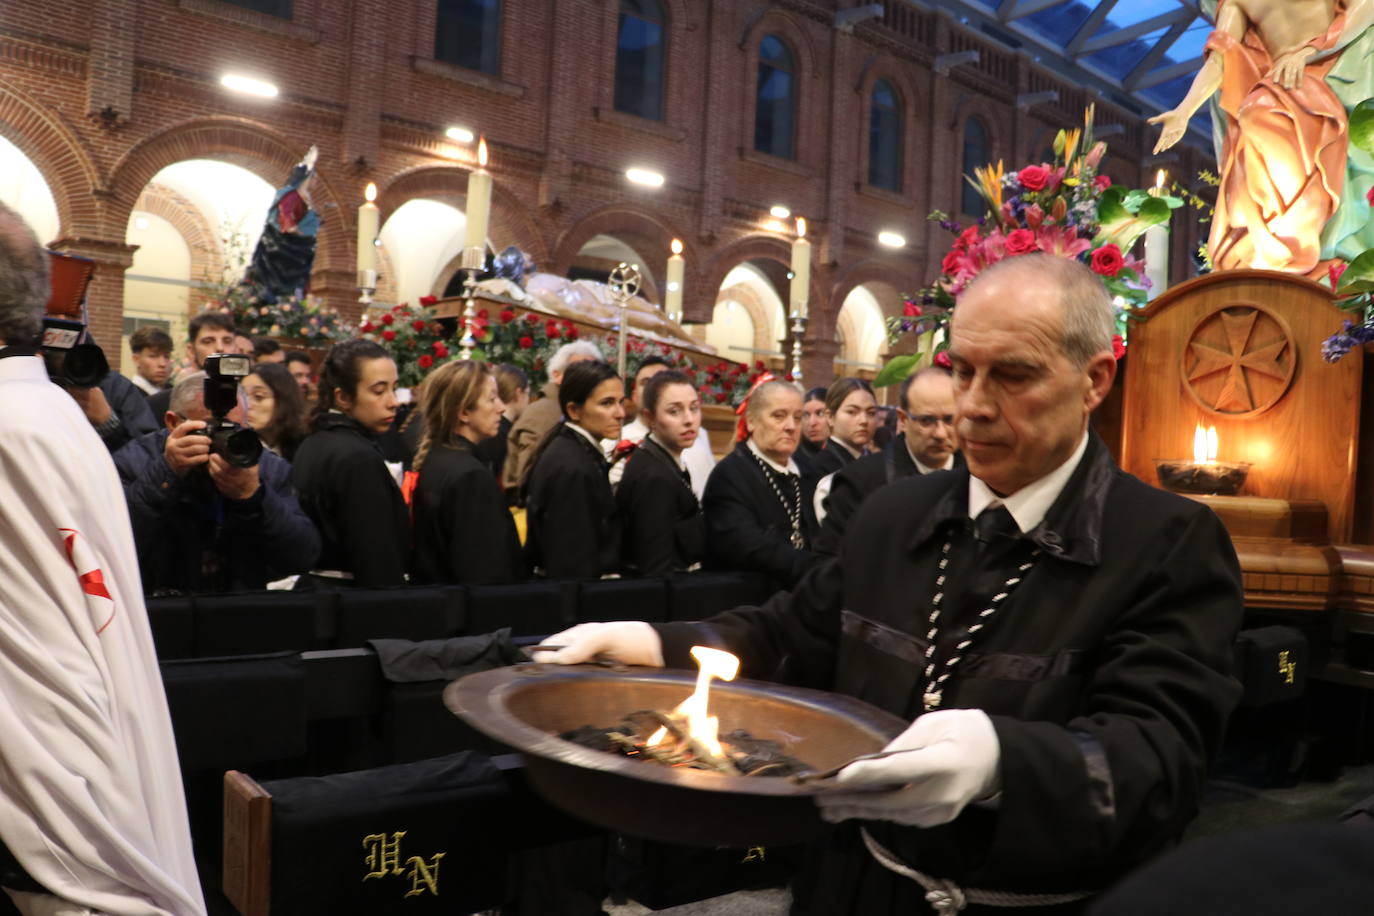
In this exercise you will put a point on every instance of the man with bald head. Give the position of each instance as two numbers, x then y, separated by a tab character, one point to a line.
757	503
927	445
1057	633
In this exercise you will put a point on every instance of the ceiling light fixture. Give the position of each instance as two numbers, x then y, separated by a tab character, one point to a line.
248	85
461	134
891	239
646	177
778	211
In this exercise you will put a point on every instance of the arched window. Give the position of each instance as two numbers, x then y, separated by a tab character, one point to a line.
775	101
885	138
639	59
468	33
976	155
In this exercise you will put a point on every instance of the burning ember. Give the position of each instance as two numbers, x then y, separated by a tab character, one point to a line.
688	736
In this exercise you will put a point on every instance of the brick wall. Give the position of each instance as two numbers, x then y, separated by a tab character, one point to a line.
101	95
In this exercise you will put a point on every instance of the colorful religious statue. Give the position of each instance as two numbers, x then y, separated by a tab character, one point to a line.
286	249
1286	74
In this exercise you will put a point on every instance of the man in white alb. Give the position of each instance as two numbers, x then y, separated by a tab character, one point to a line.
91	806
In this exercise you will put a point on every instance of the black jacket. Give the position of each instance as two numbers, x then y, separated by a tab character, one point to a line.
350	495
492	451
664	529
1106	673
190	538
129	406
830	459
747	527
857	480
463	531
572	528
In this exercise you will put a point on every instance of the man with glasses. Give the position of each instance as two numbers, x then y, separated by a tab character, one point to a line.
927	444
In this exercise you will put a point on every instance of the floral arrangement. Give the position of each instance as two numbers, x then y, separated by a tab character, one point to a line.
1065	208
302	317
416	340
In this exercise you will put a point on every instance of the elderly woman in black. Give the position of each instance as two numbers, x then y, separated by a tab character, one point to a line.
344	483
463	532
664	530
573	531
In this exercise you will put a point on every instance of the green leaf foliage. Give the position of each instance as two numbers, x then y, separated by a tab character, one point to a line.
1359	276
898	368
1362	126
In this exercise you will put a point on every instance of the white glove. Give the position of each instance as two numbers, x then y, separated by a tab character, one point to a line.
951	760
631	642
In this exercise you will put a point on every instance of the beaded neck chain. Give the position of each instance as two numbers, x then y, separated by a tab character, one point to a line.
935	685
793	508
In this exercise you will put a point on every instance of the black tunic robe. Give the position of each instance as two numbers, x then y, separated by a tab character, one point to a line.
747	526
664	528
1106	674
573	530
348	492
832	458
463	531
857	481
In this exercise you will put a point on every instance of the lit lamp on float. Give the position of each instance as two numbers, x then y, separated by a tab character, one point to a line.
475	241
1157	248
672	297
368	220
1204	475
799	293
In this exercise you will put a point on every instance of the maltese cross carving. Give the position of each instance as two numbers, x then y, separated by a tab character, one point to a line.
1239	360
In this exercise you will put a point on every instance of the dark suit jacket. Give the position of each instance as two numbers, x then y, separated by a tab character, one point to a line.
664	528
463	531
857	481
748	527
573	530
1106	674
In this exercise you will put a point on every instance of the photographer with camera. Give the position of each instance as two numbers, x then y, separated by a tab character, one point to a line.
211	510
115	407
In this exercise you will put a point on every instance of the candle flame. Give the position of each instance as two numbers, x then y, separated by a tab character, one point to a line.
801	227
702	727
370	192
482	152
1159	179
1204	445
676	246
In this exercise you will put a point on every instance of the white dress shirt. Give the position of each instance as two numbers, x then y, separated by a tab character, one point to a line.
1029	504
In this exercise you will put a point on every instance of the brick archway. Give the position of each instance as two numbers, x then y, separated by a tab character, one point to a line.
872	271
750	248
253	146
758	313
188	220
641	229
61	158
510	220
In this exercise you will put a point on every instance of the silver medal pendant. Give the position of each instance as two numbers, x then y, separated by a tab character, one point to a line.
931	700
797	540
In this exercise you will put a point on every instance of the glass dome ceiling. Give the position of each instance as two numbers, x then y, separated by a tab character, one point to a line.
1140	53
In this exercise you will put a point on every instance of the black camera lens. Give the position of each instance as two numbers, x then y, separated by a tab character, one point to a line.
84	365
237	445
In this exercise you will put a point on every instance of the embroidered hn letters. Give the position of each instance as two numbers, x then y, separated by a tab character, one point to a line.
383	860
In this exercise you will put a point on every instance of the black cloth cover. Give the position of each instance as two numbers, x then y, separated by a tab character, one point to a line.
410	613
404	662
231	713
700	595
424	837
623	599
1271	663
529	609
253	622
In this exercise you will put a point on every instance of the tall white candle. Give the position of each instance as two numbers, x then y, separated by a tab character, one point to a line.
478	211
801	270
672	296
368	219
1157	248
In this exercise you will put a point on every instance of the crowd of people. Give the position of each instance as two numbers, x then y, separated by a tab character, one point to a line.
360	483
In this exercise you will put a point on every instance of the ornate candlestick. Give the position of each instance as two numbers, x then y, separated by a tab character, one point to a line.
367	285
624	284
472	262
798	331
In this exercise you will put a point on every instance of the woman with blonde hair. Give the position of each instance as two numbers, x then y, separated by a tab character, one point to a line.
463	532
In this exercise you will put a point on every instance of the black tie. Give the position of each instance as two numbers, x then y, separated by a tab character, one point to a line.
991	529
686	477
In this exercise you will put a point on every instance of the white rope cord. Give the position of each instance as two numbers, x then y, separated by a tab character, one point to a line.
947	897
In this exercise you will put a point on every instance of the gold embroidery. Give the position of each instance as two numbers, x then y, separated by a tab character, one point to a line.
383	857
755	854
1287	668
428	873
